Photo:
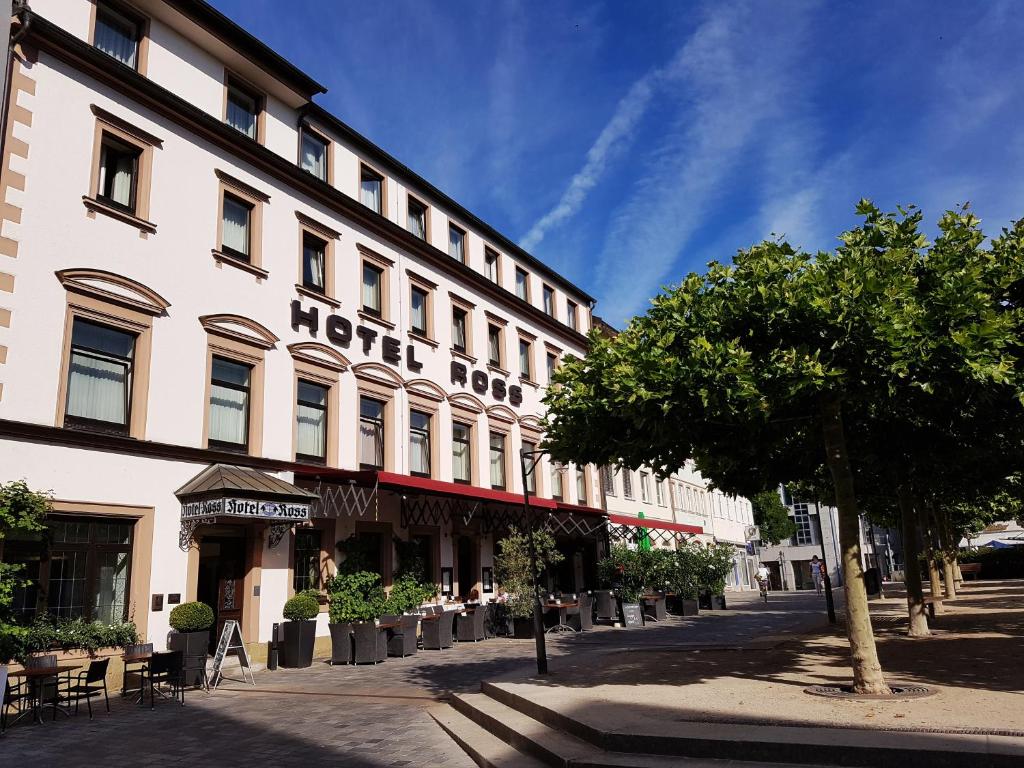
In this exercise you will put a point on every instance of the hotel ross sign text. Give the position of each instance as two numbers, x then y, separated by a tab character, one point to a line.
260	510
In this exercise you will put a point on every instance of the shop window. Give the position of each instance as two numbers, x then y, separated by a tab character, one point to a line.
230	383
100	372
462	453
311	414
313	153
422	550
371	189
371	433
416	217
419	443
308	543
497	443
117	34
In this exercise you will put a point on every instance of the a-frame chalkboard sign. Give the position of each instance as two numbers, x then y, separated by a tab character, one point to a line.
230	641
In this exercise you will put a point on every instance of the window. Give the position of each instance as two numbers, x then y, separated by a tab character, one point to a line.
419	443
371	189
99	377
627	483
456	243
557	481
314	263
531	475
552	361
311	413
313	153
371	433
802	518
236	227
418	302
459	336
524	359
243	109
570	315
307	559
119	173
659	492
117	35
645	488
372	279
497	461
549	300
416	218
581	485
491	265
608	480
494	345
522	284
229	405
462	453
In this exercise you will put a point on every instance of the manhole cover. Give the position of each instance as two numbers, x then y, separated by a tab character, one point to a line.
847	692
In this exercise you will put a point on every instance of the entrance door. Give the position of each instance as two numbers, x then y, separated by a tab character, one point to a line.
465	556
222	579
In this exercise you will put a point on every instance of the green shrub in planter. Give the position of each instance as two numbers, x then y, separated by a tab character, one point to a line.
191	617
512	567
355	597
303	607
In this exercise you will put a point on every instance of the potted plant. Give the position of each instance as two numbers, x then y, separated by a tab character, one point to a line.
626	571
686	565
300	629
191	623
512	569
353	597
716	560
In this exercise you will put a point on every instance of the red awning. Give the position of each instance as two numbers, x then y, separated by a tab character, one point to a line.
580	509
407	483
653	523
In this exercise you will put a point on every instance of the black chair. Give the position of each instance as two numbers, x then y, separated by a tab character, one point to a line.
46	688
470	626
437	634
403	640
136	667
607	608
167	668
88	683
8	696
371	645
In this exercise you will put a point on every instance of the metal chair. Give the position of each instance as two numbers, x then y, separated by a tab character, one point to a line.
48	688
403	640
167	668
88	683
371	645
437	634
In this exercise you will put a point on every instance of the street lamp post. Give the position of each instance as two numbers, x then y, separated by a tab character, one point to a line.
826	580
538	612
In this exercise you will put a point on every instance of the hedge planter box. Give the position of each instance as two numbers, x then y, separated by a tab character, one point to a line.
522	628
299	639
193	646
341	643
688	608
712	602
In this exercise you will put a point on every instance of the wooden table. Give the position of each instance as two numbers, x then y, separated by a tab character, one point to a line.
562	625
389	625
134	658
36	677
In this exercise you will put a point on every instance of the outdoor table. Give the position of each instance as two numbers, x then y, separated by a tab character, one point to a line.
389	625
563	609
36	679
134	658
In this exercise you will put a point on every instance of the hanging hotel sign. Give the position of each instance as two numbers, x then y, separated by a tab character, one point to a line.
247	508
340	331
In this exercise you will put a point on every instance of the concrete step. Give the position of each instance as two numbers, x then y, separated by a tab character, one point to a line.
483	747
766	743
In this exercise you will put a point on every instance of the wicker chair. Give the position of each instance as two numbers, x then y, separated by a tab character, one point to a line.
403	640
582	618
50	686
470	626
437	634
88	683
371	645
607	609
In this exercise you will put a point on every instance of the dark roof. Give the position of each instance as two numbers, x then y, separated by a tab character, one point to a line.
208	17
228	479
376	153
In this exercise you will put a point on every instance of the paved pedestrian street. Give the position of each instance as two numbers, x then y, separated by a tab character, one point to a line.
366	716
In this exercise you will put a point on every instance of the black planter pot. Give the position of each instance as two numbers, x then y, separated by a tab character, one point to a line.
718	602
299	637
341	643
194	647
522	628
688	607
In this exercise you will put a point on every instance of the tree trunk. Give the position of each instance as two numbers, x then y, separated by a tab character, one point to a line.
867	672
957	575
948	547
932	553
912	564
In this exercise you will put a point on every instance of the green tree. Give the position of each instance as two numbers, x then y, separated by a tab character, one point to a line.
22	511
512	567
772	518
768	370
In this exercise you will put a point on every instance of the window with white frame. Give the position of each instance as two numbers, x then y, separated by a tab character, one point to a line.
557	481
802	518
659	492
645	488
627	482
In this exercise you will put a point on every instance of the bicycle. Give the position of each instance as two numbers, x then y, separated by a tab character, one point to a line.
763	584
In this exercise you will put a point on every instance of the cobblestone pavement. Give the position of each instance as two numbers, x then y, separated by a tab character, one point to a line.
364	717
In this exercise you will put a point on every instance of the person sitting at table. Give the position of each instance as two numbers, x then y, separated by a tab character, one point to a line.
474	596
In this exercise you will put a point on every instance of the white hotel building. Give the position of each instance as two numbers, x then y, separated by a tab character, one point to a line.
212	291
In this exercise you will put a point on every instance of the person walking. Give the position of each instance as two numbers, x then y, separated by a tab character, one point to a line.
817	573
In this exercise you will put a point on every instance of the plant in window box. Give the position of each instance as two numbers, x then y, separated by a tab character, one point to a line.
191	623
299	628
512	569
353	598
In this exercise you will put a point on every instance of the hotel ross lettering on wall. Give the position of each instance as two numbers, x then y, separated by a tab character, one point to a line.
341	332
280	514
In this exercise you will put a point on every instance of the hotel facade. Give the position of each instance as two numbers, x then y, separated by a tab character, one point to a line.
237	337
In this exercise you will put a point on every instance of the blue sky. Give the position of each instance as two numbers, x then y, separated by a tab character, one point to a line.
627	144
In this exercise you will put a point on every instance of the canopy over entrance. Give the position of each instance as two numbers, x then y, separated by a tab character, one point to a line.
225	492
640	529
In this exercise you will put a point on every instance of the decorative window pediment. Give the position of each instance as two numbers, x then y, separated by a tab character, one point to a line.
108	286
378	373
425	388
240	329
319	354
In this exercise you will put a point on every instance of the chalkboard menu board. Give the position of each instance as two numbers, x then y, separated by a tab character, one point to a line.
230	640
632	614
